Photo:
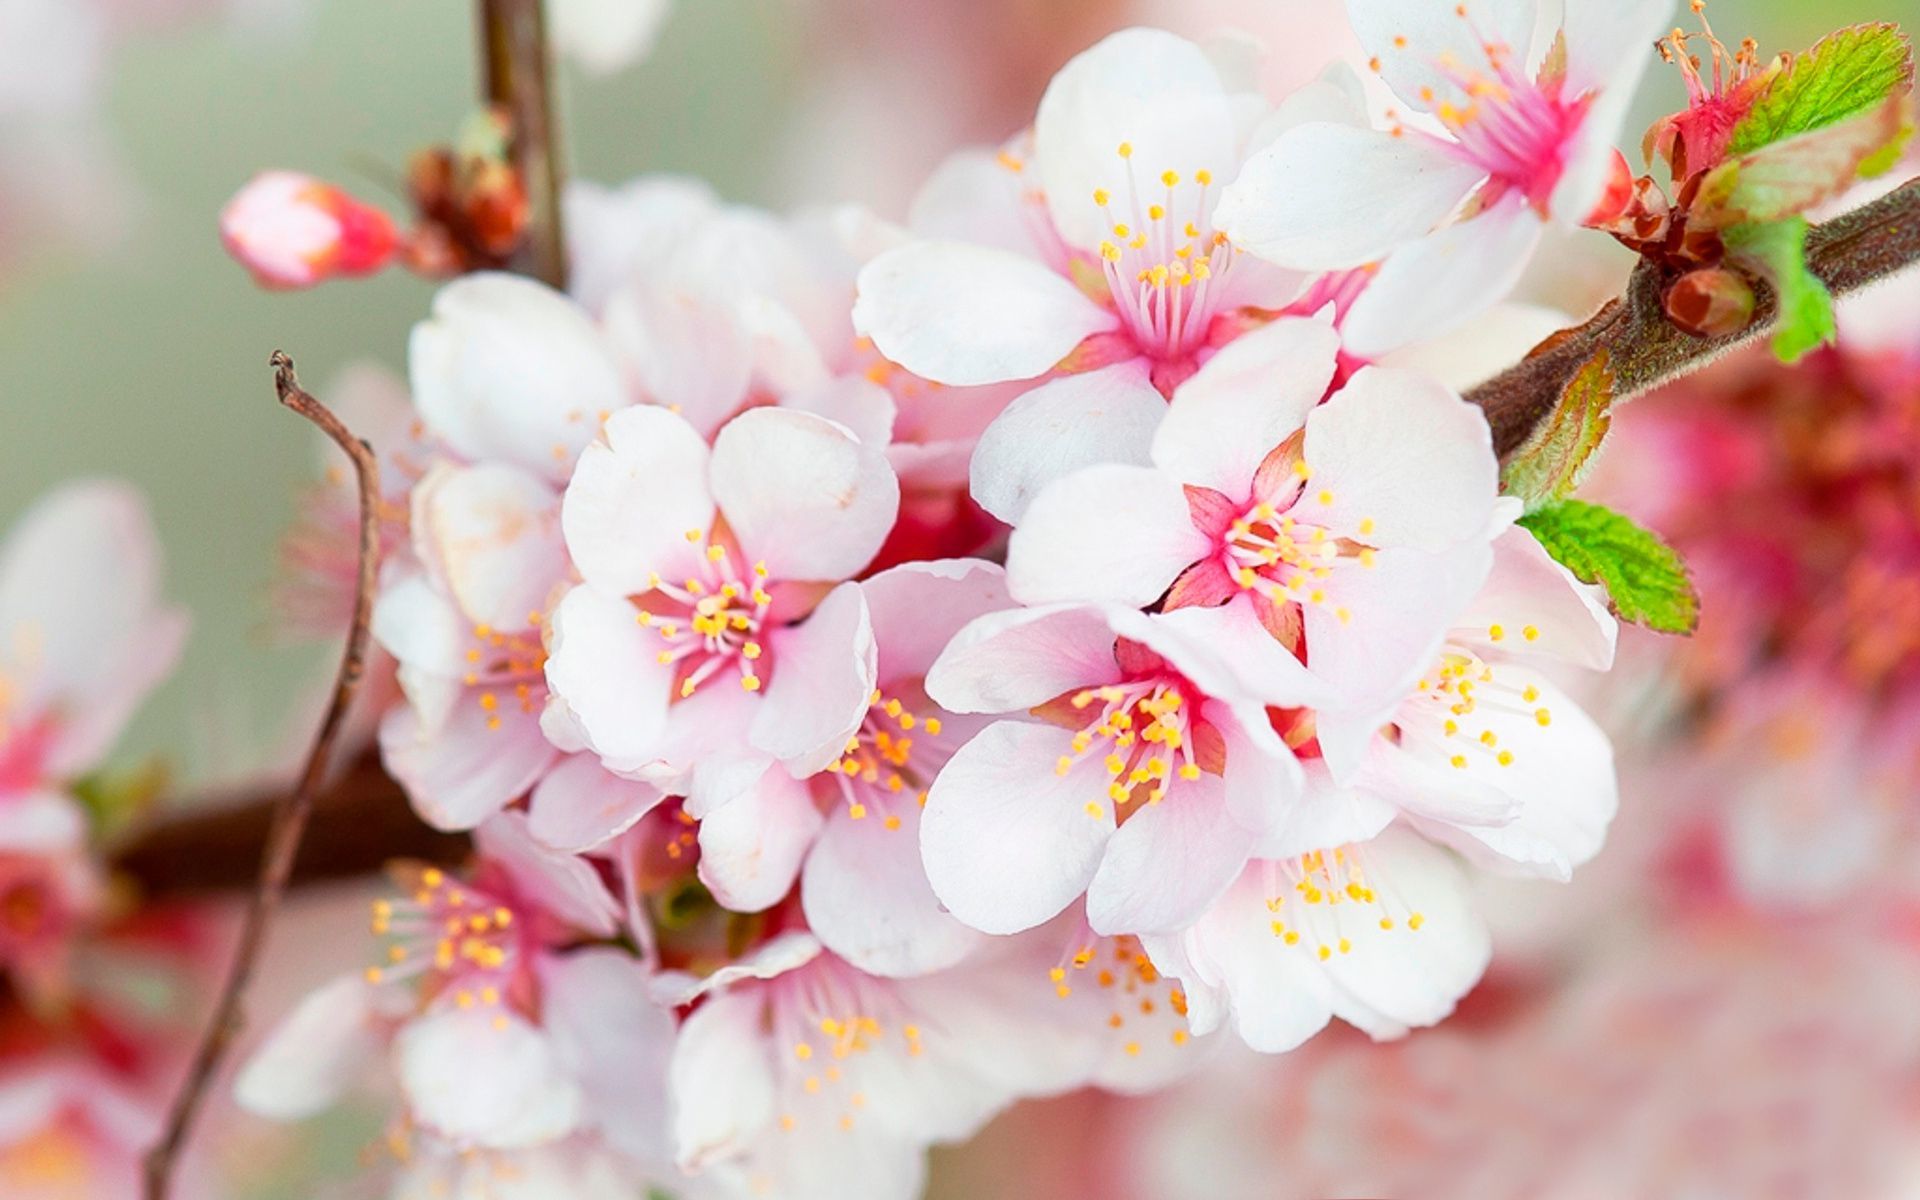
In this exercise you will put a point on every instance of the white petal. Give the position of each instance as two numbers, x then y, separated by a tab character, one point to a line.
1007	841
1275	995
579	804
314	1055
564	886
605	667
1169	861
616	234
616	1041
1482	349
1399	460
751	845
1328	197
603	36
867	898
803	494
1015	660
1607	52
1109	532
1539	608
491	534
823	679
917	608
721	1080
1103	416
485	1076
686	346
1245	401
635	496
973	197
462	772
1148	89
1435	285
961	314
509	369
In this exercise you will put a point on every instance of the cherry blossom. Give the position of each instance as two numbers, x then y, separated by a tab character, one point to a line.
293	231
1352	531
1451	199
708	578
1141	780
1089	249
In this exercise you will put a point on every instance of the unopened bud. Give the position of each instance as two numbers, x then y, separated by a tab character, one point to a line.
1711	302
293	231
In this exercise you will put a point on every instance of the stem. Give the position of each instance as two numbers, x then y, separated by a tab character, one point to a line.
291	812
1847	254
519	81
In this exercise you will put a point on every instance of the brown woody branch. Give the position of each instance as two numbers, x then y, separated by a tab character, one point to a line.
290	813
1646	350
518	69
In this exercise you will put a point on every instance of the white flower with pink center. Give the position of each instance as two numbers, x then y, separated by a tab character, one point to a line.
500	1037
797	1075
1451	200
1141	779
707	650
1093	267
1382	935
1352	531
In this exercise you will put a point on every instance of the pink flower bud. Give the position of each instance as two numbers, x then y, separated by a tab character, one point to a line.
293	231
1712	302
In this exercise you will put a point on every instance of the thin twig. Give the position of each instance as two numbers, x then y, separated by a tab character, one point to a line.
1646	350
518	72
291	812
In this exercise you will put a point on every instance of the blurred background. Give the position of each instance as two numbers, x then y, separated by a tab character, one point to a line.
130	345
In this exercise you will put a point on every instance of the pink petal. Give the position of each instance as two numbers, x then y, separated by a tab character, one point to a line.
1105	533
1103	416
802	494
633	499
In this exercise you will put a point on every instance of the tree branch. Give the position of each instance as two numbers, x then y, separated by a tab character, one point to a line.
361	820
290	814
1646	350
518	72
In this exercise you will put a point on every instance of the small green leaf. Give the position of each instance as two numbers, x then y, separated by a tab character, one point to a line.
1791	176
1845	74
1554	460
1645	580
1777	251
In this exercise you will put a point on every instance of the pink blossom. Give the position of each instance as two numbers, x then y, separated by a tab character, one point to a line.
1090	251
1142	780
1451	217
1352	532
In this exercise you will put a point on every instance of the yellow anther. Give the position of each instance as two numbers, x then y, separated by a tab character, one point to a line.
1125	150
1101	196
1170	178
1459	761
1530	632
1497	632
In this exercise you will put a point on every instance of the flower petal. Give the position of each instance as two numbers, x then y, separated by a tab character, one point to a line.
1435	285
508	369
580	805
491	534
802	494
485	1076
962	314
564	886
1245	401
1109	533
1007	841
616	1041
1423	48
974	197
1104	416
1014	660
867	898
1169	861
604	666
823	679
1399	460
461	773
917	608
314	1055
1327	196
636	494
1538	607
721	1079
685	346
752	844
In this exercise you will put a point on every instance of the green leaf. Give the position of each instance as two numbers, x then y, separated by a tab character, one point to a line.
1845	74
1777	251
1789	177
1554	460
1645	580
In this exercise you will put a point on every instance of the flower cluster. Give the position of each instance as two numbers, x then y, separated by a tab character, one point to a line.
83	638
808	833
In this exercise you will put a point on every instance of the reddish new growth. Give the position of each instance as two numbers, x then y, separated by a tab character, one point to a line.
1695	140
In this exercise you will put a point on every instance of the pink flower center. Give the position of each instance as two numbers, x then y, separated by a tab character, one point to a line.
712	621
895	753
1143	731
1164	264
1324	898
1130	990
